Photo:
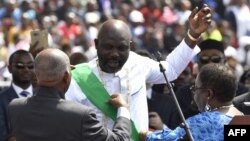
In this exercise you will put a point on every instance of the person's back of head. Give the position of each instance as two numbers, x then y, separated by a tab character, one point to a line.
21	66
52	69
220	79
77	58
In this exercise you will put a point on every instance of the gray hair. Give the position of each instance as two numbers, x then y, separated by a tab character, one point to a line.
50	65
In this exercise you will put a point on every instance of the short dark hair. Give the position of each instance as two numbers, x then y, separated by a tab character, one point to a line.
220	79
18	52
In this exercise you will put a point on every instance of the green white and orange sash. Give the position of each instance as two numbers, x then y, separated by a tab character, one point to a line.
97	94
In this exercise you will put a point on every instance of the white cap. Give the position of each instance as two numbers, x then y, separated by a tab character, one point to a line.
136	16
92	17
231	52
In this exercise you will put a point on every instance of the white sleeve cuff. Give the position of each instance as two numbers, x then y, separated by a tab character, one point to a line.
188	49
123	112
196	50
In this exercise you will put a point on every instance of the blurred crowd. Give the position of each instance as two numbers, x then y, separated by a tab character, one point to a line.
156	25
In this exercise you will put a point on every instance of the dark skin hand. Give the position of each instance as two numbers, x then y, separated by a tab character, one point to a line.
117	101
199	21
155	121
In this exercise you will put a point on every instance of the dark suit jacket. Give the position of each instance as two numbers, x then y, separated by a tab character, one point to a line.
48	117
239	103
5	97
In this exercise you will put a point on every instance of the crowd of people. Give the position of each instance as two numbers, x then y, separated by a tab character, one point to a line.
101	50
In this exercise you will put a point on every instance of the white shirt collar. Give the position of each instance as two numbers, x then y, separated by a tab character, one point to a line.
19	90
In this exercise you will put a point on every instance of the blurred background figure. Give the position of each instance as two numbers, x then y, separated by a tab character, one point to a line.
238	15
77	58
21	65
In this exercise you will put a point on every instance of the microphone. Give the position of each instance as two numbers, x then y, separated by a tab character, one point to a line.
158	56
168	84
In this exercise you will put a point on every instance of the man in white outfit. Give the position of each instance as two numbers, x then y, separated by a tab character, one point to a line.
124	72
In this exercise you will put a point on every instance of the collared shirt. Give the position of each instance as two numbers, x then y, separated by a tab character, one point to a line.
131	81
19	90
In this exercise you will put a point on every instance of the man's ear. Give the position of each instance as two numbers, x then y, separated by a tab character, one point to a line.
66	77
210	94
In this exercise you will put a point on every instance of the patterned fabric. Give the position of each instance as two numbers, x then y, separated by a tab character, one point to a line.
206	126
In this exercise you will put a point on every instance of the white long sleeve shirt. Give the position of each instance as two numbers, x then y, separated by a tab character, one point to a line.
131	81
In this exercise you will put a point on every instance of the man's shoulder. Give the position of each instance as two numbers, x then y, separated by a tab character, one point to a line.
8	92
74	107
135	59
18	101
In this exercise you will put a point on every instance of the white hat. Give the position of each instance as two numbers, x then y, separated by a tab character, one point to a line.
231	52
136	16
92	17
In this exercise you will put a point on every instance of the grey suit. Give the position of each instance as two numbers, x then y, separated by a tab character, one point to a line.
48	117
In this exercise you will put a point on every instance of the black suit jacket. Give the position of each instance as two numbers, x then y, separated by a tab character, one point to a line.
48	117
5	97
239	103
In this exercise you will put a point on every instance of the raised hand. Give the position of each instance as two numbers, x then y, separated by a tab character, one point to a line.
199	20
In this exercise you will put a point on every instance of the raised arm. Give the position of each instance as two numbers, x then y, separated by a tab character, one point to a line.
199	20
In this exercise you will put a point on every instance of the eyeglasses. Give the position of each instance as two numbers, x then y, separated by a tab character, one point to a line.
193	88
22	66
207	59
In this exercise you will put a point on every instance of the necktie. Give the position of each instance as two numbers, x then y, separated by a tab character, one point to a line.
24	93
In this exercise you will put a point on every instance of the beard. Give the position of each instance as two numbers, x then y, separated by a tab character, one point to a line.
111	66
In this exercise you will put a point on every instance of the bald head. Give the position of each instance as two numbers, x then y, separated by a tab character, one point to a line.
114	28
113	45
50	66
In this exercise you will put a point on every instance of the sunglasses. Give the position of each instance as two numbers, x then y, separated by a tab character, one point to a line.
22	66
207	59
